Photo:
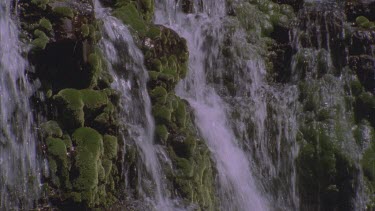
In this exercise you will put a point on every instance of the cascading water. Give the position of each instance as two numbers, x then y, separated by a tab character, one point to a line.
250	131
18	160
125	63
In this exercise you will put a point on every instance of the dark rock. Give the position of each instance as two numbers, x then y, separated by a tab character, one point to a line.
362	42
355	8
187	6
281	58
296	4
324	27
364	66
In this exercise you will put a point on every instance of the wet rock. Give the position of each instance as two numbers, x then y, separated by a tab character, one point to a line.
296	4
364	66
187	6
362	42
355	8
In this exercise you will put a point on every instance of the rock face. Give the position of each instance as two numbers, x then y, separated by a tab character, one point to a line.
79	139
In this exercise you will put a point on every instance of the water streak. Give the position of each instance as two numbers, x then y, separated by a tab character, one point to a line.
18	159
239	154
125	63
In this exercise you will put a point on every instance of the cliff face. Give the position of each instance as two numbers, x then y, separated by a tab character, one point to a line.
326	51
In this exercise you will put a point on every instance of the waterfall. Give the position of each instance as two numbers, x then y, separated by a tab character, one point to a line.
126	65
18	160
251	131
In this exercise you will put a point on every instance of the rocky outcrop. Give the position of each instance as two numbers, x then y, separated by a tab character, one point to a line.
78	140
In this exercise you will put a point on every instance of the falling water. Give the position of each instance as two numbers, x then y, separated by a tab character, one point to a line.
18	163
125	63
251	133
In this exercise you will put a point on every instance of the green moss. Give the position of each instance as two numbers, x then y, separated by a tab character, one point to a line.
71	97
110	147
159	95
162	132
89	139
153	75
107	165
162	114
181	114
287	10
95	61
64	12
279	19
130	16
59	163
185	167
368	25
76	197
51	128
56	148
101	172
71	105
267	28
360	20
68	141
356	87
41	39
154	32
85	30
93	99
45	24
89	149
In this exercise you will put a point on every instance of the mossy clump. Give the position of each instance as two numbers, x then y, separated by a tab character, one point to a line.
71	105
159	94
41	39
58	162
363	22
162	114
89	149
45	24
51	129
85	30
57	148
180	114
96	63
130	16
110	147
153	32
64	12
360	20
162	133
93	99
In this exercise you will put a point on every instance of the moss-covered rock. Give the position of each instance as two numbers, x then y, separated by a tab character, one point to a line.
162	133
71	105
93	99
89	149
51	129
41	39
159	95
110	147
131	16
63	12
45	24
